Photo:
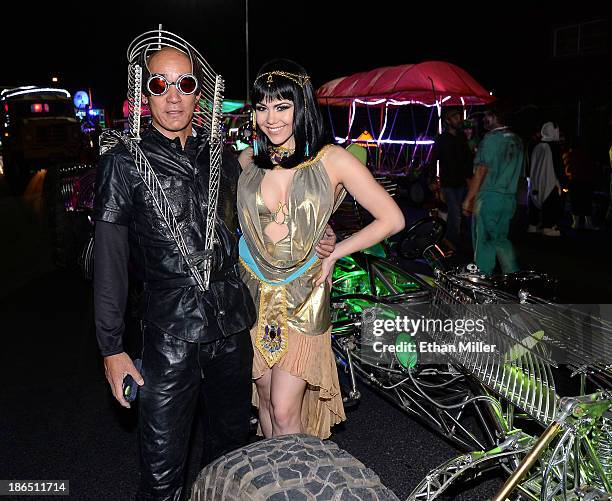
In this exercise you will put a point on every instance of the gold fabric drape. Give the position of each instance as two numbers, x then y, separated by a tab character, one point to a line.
297	306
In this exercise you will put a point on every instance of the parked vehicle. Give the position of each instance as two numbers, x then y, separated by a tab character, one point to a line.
39	130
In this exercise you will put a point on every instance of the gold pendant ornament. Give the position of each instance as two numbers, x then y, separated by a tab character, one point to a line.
271	337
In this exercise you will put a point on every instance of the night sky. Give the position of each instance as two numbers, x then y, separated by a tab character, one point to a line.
84	43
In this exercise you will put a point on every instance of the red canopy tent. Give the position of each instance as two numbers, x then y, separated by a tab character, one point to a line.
432	84
421	83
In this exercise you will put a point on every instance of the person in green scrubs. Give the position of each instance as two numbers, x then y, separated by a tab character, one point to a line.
492	194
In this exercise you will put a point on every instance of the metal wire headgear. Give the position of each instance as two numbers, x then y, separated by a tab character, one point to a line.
208	110
207	117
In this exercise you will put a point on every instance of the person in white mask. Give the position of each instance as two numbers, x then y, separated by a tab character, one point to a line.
545	206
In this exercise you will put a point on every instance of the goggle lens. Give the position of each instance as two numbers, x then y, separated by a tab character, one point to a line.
187	85
157	86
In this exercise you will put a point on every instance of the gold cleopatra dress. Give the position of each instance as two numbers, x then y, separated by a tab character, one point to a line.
293	329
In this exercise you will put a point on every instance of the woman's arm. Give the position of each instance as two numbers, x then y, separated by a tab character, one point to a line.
359	182
245	157
346	170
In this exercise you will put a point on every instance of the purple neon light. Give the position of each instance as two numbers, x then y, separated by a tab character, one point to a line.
395	102
420	142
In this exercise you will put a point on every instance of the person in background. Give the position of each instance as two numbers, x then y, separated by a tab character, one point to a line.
581	172
545	205
492	194
469	129
453	152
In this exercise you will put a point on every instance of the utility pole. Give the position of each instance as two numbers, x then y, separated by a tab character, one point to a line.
248	77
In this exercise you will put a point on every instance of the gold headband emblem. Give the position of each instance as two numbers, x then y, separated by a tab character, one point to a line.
294	77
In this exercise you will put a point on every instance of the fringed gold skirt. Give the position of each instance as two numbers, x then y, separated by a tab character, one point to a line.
310	358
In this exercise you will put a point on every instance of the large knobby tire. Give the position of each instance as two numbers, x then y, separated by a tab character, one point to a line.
289	468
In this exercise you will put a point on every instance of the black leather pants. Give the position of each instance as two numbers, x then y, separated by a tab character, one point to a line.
178	375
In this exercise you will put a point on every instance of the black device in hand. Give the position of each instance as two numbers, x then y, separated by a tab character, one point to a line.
130	387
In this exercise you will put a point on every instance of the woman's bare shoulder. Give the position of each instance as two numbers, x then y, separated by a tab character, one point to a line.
332	155
337	157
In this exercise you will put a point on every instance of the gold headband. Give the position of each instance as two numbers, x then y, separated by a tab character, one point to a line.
298	79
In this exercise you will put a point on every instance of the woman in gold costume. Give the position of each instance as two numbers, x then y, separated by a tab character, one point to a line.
290	185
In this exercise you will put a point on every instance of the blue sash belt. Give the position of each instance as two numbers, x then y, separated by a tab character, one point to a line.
247	259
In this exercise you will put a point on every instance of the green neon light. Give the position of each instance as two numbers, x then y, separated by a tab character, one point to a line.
240	145
381	289
230	105
376	250
350	278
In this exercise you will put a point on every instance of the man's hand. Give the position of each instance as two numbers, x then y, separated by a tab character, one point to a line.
327	270
468	206
327	244
480	173
116	367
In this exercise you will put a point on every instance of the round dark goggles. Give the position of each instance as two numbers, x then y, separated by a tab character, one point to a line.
158	85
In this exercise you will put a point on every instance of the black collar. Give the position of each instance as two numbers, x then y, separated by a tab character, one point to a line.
192	143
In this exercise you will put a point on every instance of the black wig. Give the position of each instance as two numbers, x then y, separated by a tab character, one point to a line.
307	120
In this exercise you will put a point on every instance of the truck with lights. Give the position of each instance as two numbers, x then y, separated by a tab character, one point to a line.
39	130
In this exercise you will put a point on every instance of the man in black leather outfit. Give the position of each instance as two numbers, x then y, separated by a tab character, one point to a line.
196	346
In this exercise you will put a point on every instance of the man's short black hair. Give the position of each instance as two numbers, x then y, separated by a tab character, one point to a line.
500	109
450	111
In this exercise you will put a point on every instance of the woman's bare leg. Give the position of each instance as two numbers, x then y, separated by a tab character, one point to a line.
286	392
265	412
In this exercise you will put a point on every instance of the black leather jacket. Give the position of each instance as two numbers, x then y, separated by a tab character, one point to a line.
168	301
